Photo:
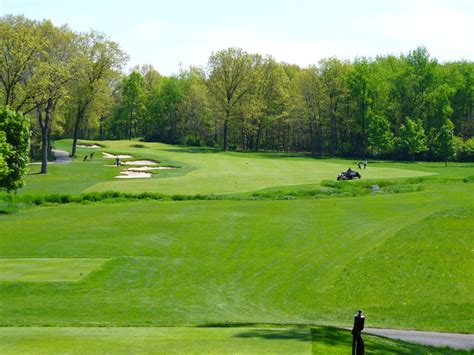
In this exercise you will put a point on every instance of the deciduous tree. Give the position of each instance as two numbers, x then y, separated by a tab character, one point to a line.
15	129
229	82
412	137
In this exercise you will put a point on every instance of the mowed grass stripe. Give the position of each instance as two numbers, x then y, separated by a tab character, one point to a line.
195	262
47	269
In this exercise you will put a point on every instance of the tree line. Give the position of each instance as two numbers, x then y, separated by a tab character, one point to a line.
71	84
390	107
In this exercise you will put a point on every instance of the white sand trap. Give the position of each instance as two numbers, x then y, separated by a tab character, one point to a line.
143	168
111	156
140	162
127	174
149	168
95	146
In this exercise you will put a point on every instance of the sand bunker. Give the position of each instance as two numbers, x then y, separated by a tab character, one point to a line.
112	156
95	146
128	174
148	168
143	168
140	162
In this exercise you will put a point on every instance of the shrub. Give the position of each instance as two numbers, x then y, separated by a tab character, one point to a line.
464	149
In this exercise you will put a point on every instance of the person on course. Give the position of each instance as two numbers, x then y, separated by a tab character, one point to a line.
357	342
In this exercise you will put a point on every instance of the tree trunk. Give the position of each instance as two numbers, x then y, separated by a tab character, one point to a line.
79	115
257	139
312	143
45	129
101	126
130	119
333	134
44	151
226	123
7	96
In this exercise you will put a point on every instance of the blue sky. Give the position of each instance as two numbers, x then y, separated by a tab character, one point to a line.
167	33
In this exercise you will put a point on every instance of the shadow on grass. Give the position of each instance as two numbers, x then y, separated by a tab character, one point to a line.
296	333
256	154
332	340
193	150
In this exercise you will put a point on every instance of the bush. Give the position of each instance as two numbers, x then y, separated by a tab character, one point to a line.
464	149
468	179
193	141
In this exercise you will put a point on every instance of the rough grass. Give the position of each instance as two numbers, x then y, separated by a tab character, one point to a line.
327	189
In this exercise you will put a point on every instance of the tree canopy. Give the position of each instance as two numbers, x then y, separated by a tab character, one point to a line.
71	84
14	148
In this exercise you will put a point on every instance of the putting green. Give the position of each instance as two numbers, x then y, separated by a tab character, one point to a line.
200	171
47	269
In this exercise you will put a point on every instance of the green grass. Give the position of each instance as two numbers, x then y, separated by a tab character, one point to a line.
236	238
197	262
200	172
146	340
228	340
47	269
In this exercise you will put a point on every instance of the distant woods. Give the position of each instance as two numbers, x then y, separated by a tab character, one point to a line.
72	85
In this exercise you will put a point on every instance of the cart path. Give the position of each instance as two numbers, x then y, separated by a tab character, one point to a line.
452	340
61	156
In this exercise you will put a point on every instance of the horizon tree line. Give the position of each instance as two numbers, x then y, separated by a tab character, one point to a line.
71	85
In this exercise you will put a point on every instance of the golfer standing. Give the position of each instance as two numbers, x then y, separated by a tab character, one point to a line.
357	342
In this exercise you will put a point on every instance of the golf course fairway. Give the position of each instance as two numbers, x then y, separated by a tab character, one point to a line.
233	253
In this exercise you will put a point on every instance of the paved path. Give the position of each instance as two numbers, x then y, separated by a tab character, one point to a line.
453	340
61	157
